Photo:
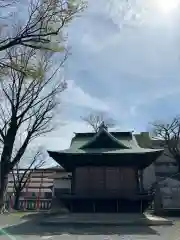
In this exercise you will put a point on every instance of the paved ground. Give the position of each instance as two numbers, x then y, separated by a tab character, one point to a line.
102	219
31	230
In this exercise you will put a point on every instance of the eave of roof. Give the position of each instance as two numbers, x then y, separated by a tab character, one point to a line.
138	160
106	151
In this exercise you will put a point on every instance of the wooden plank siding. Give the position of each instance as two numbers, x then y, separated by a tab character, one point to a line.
81	179
104	180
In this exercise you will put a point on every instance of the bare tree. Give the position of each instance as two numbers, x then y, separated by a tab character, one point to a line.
95	119
21	178
36	24
6	3
169	134
45	19
26	107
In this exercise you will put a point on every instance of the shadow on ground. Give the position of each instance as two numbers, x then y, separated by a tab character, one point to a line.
32	227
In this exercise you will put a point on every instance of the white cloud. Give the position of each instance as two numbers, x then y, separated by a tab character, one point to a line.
143	67
91	43
76	96
135	67
60	138
155	93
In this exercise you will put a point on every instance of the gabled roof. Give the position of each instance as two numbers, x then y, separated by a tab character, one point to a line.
116	143
105	148
125	138
104	139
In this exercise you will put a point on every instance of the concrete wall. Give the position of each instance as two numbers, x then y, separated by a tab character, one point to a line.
170	193
62	180
62	183
165	165
165	168
59	175
149	176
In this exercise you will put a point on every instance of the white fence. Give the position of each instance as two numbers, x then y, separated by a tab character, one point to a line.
31	204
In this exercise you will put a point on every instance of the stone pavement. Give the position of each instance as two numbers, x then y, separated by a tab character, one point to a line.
106	219
35	232
32	230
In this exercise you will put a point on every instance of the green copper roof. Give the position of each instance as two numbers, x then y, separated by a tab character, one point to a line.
104	139
81	139
127	143
107	148
109	151
124	143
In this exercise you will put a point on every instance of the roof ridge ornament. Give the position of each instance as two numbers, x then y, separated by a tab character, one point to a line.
103	126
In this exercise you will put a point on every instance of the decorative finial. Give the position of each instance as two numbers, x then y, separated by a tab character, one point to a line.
103	126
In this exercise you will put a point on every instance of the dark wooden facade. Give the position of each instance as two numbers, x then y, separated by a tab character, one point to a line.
105	180
106	172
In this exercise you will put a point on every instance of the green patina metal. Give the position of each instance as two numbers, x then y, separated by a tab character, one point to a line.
107	148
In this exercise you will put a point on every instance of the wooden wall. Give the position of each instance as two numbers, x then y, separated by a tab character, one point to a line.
99	180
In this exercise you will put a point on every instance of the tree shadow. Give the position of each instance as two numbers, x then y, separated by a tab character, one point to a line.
32	227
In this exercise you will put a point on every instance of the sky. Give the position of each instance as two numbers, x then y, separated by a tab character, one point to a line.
125	61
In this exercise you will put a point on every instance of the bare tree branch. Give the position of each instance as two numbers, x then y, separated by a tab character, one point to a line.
28	95
20	179
28	103
6	3
40	27
169	133
46	19
95	119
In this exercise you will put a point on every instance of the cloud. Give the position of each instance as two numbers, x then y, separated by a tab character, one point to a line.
131	66
59	139
128	69
75	95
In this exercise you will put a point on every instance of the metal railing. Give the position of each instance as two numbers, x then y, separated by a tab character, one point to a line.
32	204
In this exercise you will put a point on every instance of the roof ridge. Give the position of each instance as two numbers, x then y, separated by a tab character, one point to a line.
109	134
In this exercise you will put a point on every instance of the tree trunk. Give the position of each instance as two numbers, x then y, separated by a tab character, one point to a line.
16	202
3	191
5	161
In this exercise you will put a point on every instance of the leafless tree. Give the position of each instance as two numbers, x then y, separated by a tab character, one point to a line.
45	19
95	119
169	134
36	24
6	3
27	106
21	178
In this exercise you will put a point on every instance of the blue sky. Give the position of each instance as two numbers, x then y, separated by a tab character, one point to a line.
124	61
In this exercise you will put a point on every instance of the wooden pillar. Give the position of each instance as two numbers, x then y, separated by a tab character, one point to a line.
140	173
71	206
137	180
117	206
104	180
73	181
94	207
141	206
